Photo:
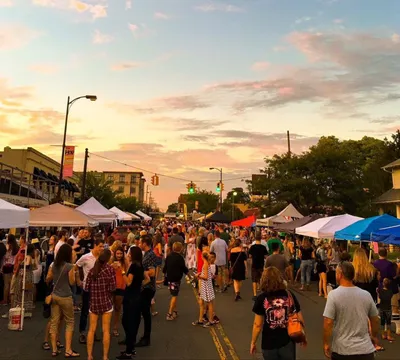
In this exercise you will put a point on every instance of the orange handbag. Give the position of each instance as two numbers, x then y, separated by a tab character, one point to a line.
295	326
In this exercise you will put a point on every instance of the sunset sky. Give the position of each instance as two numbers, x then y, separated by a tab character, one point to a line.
184	85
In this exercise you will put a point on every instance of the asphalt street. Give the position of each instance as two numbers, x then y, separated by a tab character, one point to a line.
179	339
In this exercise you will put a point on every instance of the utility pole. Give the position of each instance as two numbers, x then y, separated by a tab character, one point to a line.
288	143
83	190
220	194
147	193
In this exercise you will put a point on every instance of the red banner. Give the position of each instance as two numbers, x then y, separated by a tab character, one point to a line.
69	154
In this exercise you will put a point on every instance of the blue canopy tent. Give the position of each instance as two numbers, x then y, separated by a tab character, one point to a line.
361	230
389	235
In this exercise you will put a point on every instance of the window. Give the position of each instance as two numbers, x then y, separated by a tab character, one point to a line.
110	178
133	179
120	189
122	178
133	190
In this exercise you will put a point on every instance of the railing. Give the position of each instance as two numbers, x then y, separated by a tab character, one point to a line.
16	182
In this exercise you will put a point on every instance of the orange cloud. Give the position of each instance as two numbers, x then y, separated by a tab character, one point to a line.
161	16
45	68
261	66
126	66
14	36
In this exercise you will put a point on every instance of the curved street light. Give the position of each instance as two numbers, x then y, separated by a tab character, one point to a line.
69	104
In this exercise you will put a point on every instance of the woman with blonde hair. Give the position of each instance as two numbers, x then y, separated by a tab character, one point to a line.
272	309
366	276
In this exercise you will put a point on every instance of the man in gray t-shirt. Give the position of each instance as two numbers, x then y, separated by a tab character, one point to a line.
346	316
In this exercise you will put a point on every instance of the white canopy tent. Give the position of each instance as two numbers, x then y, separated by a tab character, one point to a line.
97	211
143	215
133	216
325	228
289	213
122	216
58	215
13	216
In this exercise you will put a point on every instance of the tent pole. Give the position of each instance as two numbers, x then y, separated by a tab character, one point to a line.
21	326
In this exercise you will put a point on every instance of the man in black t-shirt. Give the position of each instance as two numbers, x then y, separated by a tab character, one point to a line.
257	252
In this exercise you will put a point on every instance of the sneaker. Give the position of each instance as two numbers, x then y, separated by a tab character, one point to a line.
5	316
143	342
124	356
82	339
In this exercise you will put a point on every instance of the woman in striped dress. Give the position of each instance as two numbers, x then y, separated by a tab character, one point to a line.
206	293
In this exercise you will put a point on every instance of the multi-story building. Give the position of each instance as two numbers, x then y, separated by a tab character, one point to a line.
130	184
30	178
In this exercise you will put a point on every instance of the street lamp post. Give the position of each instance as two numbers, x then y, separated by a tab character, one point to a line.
220	184
69	104
233	205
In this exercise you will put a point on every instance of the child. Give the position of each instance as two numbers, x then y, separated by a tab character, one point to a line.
385	309
214	273
206	292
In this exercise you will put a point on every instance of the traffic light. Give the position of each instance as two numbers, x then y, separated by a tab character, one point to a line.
218	187
191	188
155	180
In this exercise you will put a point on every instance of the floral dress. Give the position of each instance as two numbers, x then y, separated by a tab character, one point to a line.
191	254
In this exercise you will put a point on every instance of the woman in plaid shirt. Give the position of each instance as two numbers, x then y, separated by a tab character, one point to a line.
100	284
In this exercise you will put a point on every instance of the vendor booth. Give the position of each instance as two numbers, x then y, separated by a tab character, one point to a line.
57	215
121	216
97	211
361	230
326	227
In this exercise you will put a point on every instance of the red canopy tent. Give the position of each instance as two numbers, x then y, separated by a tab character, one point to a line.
246	222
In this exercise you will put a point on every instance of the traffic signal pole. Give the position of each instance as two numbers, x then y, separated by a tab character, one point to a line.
220	193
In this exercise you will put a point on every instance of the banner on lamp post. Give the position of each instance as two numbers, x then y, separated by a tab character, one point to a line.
69	154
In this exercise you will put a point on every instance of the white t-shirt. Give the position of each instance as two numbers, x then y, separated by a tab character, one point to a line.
58	245
86	262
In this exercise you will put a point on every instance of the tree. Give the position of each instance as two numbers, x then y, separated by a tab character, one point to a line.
129	204
241	197
332	177
207	201
173	208
100	189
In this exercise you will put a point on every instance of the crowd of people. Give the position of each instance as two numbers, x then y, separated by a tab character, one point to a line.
114	281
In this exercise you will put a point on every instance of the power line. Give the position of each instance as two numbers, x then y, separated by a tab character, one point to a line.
164	175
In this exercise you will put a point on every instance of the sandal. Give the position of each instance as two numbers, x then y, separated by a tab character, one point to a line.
198	323
379	348
55	353
155	313
175	314
46	346
390	339
72	354
59	345
116	333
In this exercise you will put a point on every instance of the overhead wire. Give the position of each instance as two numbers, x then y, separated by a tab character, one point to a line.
164	175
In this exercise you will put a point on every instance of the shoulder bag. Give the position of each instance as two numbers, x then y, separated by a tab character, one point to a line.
48	299
295	326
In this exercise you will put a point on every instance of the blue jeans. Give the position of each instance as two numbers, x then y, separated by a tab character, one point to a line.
306	269
287	352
